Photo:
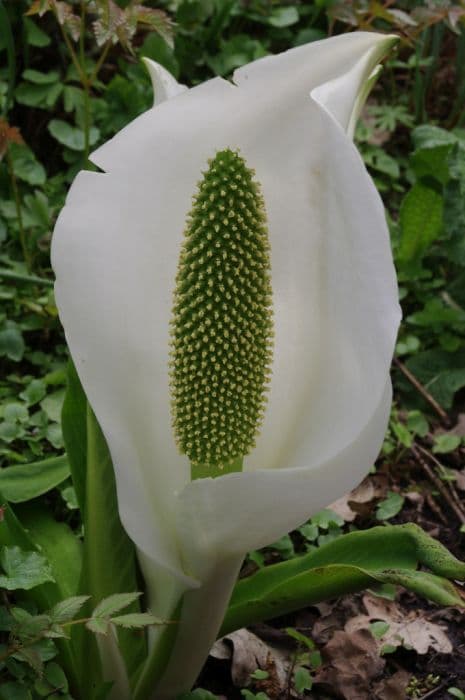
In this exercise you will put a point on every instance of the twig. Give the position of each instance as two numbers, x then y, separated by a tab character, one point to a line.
434	459
423	391
432	692
438	483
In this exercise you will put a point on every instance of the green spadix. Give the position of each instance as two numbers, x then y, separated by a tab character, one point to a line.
222	320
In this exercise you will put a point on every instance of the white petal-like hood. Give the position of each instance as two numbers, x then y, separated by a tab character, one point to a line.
115	252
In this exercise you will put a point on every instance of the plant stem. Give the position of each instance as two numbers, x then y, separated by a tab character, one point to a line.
99	63
27	279
22	233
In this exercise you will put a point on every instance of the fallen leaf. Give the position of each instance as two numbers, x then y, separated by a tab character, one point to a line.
358	501
249	653
350	663
408	629
393	688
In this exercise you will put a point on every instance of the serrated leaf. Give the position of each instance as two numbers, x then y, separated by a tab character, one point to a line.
32	657
99	625
24	570
115	603
67	609
133	620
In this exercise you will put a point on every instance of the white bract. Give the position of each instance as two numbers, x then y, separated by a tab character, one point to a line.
115	253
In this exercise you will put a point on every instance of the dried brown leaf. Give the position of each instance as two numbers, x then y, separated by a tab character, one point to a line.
249	653
410	629
8	134
350	663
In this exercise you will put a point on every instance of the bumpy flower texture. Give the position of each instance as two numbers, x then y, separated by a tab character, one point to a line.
123	264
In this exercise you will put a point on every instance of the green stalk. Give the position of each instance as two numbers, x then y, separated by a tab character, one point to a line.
419	85
10	51
27	279
86	83
19	216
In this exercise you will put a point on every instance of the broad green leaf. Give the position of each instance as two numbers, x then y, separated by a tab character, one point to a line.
12	533
25	481
420	221
57	542
350	563
23	570
107	570
67	609
114	603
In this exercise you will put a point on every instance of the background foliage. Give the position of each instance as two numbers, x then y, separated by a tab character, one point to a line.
71	77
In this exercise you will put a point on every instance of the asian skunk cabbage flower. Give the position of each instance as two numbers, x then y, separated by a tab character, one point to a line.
234	227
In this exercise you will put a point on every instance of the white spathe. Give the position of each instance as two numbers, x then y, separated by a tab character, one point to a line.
115	252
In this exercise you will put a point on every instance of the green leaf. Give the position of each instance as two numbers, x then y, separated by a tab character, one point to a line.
34	392
26	167
432	163
427	136
34	35
45	596
44	96
379	628
38	78
442	373
24	570
420	221
350	563
58	543
74	430
283	17
25	481
391	505
67	609
454	205
53	404
14	691
115	603
55	676
302	680
446	443
11	342
107	570
198	694
98	625
136	620
327	517
71	136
